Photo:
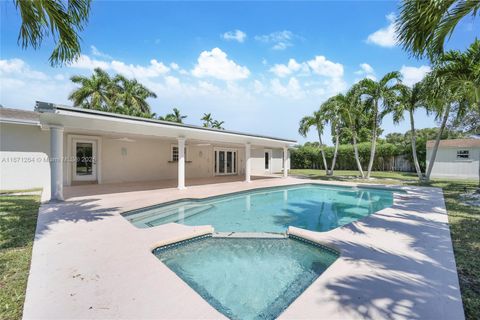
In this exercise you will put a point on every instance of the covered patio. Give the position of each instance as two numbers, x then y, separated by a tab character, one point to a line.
98	152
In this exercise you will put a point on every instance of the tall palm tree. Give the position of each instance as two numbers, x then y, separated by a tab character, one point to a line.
381	96
331	112
133	95
424	25
95	92
462	70
351	113
410	100
175	116
316	120
61	19
207	120
441	98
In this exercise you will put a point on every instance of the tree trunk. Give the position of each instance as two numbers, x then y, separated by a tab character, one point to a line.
437	142
322	152
337	142
374	141
357	159
414	146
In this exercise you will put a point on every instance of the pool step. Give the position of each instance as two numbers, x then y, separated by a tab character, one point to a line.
249	235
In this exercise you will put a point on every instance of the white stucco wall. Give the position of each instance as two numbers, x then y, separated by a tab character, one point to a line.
24	152
448	166
146	159
258	161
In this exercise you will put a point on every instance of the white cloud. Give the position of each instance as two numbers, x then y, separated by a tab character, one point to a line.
292	89
366	71
323	67
385	37
18	67
85	62
155	69
21	85
280	39
98	53
174	66
216	64
237	35
282	70
412	75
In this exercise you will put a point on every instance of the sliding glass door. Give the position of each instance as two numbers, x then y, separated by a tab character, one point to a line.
225	161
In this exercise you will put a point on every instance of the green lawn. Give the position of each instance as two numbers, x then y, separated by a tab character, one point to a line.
464	225
18	218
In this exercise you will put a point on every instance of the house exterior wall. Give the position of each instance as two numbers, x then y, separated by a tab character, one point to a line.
258	161
24	154
448	166
149	159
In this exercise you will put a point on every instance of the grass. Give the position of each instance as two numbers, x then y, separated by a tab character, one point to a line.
18	219
464	223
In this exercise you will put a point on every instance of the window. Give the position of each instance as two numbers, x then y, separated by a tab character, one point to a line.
463	154
175	153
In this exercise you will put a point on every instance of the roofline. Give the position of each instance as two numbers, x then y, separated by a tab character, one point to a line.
431	143
51	107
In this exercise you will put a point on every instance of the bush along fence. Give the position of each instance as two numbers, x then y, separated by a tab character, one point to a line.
387	158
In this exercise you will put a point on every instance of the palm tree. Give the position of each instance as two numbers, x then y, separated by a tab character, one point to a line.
381	97
62	19
95	92
331	112
132	96
440	99
424	25
462	70
207	120
410	100
218	124
174	117
317	121
352	115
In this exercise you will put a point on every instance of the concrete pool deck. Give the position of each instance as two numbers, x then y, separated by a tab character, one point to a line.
88	262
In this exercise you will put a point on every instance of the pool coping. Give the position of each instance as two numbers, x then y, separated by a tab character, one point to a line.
89	236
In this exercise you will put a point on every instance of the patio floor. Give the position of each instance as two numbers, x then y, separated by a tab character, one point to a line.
88	262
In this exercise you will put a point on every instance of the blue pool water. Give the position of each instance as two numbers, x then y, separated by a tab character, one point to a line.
248	278
309	206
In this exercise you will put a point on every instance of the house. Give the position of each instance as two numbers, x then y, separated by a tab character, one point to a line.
56	146
456	158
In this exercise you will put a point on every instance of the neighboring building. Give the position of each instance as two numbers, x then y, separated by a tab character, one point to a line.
456	158
57	146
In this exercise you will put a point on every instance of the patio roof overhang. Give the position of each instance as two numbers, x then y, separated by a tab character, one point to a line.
86	120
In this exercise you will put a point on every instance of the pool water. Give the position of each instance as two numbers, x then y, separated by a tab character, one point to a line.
247	278
309	206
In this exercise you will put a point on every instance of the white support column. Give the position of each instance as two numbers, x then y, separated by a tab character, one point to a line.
285	162
248	162
56	162
181	162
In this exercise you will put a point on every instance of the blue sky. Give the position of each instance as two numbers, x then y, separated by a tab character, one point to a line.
259	66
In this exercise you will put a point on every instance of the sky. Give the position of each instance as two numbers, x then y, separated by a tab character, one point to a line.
258	66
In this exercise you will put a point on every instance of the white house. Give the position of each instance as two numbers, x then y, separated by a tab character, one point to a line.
456	158
56	146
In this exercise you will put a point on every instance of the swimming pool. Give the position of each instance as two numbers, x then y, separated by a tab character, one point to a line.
308	206
247	278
